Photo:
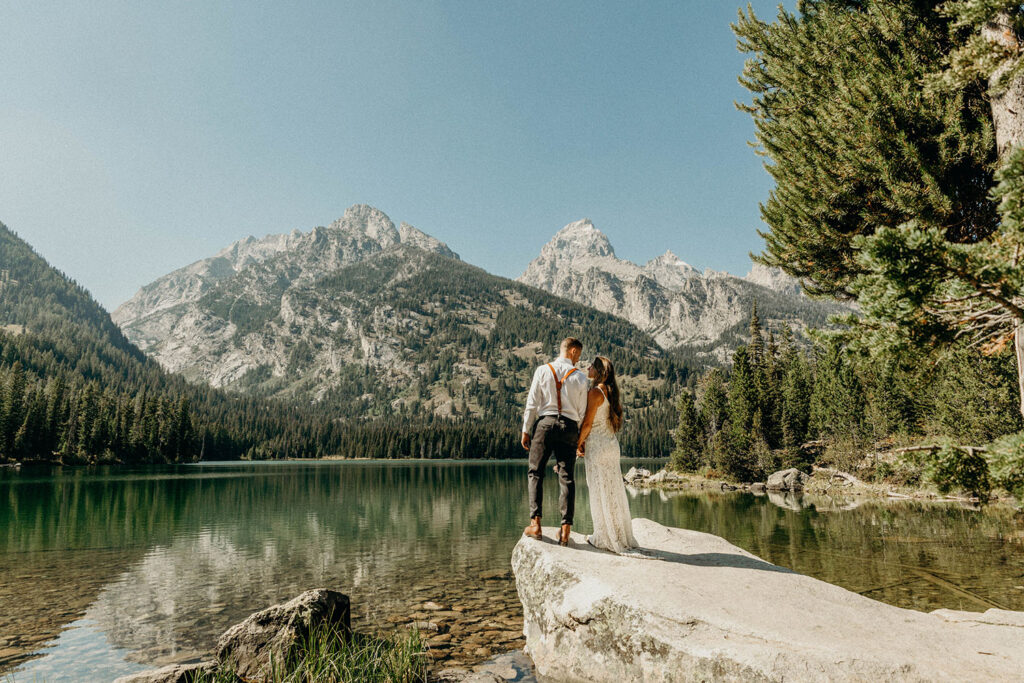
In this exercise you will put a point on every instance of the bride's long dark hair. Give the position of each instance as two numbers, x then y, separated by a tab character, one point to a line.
606	376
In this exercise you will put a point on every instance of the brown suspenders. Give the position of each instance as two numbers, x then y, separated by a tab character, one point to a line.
558	385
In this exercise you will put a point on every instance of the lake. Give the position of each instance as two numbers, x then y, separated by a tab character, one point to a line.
106	571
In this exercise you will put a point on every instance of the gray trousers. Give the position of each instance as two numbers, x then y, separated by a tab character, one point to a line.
553	436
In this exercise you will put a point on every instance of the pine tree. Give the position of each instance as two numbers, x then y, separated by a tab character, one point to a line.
853	142
13	409
688	435
755	349
714	405
910	199
743	429
795	395
837	403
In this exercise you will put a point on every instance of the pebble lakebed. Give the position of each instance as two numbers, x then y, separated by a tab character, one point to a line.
464	620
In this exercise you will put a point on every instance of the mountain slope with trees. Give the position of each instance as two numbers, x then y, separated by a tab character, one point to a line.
74	390
780	405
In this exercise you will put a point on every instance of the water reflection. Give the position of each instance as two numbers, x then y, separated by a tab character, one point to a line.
149	566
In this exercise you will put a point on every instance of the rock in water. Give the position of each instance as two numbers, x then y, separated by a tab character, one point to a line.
174	673
707	610
247	647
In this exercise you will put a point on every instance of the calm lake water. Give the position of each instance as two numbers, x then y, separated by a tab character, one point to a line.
109	571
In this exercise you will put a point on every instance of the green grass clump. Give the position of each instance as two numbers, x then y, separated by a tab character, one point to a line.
328	656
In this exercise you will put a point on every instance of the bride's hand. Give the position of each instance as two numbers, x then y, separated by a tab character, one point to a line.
580	451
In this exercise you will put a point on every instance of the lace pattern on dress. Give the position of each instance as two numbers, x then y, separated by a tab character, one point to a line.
609	504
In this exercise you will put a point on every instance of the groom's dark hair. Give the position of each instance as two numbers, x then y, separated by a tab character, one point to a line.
570	343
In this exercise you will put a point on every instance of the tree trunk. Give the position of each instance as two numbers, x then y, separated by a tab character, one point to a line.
1018	346
1008	120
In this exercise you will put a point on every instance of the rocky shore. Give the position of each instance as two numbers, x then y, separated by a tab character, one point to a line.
700	608
468	619
822	481
248	650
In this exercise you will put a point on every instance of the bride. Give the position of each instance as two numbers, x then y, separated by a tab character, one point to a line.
609	507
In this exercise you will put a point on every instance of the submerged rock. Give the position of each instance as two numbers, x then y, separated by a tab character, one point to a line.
704	609
174	673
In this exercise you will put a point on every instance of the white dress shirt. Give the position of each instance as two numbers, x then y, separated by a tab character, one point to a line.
542	400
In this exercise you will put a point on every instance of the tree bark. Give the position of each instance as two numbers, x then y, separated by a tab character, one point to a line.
1008	121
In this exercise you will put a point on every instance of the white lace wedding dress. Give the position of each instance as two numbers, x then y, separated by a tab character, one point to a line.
609	506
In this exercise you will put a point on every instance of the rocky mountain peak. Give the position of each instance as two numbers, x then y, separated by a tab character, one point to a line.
670	260
295	256
667	297
580	238
417	238
670	271
774	279
578	246
368	221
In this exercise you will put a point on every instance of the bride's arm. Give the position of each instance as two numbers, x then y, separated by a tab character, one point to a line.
594	400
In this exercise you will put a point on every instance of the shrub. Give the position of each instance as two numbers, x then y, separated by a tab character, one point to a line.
329	656
1005	458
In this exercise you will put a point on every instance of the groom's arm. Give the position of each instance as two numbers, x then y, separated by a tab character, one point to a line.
532	404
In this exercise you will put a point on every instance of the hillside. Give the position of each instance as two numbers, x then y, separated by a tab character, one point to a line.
73	389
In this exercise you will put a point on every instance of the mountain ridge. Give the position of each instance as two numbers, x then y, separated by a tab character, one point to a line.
667	297
361	229
389	328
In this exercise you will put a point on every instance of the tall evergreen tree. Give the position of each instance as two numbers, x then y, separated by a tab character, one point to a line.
837	402
688	434
895	179
795	395
755	349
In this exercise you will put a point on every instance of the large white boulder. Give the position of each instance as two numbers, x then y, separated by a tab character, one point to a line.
704	609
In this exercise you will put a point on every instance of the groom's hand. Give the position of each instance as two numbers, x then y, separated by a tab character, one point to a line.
526	440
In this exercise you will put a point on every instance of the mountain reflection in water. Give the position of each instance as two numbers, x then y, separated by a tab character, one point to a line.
154	563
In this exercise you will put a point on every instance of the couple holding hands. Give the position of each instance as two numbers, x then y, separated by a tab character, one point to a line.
570	415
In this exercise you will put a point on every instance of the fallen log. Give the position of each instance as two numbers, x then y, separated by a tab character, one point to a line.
935	447
846	476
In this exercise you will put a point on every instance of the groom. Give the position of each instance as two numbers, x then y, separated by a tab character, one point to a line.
558	397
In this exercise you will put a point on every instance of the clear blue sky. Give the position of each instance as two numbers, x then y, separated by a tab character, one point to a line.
137	137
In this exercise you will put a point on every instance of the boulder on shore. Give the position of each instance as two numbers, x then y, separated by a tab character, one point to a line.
248	647
787	480
662	476
635	474
702	609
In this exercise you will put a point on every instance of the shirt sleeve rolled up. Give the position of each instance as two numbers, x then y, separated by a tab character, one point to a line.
533	399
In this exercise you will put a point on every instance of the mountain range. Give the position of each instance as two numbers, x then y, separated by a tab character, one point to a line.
376	321
679	306
366	323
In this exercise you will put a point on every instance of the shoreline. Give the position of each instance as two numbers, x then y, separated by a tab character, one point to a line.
822	482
